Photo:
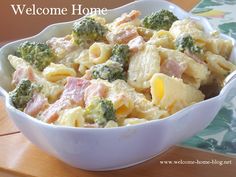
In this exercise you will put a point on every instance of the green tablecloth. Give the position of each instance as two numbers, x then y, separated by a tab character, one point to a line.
220	135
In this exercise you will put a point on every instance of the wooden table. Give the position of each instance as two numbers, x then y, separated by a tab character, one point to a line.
18	157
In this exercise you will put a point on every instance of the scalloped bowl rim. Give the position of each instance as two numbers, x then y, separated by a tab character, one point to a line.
202	20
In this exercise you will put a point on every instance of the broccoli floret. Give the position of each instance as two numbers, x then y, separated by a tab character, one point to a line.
120	54
159	20
87	31
186	42
22	94
39	55
110	71
100	111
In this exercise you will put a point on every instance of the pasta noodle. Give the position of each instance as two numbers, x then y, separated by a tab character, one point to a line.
145	33
220	46
99	52
188	26
143	108
56	72
122	103
162	38
72	117
164	95
142	66
218	64
83	61
17	62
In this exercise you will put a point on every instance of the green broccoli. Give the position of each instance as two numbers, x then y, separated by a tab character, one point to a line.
159	20
39	55
120	54
100	111
110	71
87	31
22	94
186	42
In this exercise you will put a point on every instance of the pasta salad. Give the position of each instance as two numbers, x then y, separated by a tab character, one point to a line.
128	71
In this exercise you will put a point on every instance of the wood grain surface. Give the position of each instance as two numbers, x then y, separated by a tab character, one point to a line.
18	157
6	125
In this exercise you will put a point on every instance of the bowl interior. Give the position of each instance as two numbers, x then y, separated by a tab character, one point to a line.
61	29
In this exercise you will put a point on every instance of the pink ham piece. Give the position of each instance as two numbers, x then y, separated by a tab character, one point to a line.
73	95
37	104
23	73
95	90
136	44
122	37
173	68
134	14
74	90
126	35
51	114
193	56
61	45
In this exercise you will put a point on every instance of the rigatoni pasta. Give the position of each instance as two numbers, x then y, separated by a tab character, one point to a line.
142	66
99	52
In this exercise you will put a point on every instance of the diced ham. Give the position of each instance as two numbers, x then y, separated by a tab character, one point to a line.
123	36
37	104
134	14
74	90
61	45
23	73
73	95
173	68
95	90
193	56
126	35
51	114
136	43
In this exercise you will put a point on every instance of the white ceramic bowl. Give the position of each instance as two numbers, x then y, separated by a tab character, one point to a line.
112	148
